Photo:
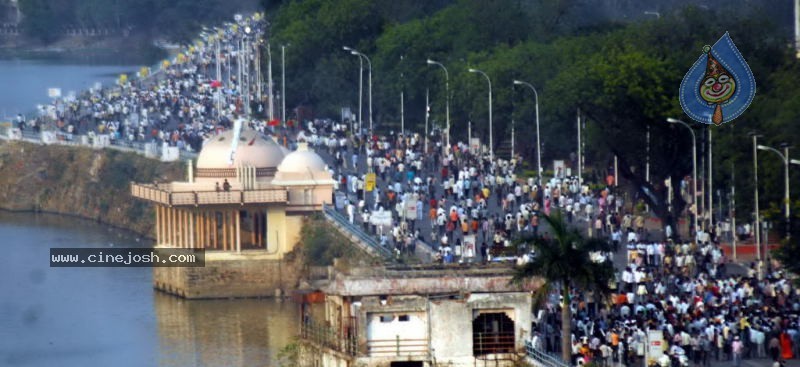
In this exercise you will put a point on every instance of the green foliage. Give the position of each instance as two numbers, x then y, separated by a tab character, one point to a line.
563	262
178	20
564	258
289	355
321	243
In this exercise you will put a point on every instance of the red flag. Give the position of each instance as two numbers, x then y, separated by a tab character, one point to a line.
216	84
274	123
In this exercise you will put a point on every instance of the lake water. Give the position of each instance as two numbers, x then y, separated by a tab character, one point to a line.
26	81
112	316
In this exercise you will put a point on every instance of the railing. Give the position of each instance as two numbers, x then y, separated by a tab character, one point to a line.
397	347
542	358
326	337
492	343
62	138
169	197
362	236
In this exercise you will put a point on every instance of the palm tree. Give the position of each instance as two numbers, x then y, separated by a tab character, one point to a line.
563	261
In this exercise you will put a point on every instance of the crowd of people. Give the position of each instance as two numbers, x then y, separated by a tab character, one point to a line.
182	104
684	291
467	206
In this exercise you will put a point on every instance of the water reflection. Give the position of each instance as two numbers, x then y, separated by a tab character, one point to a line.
222	332
112	316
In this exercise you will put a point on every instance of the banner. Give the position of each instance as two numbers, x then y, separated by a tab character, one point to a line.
369	182
469	246
655	345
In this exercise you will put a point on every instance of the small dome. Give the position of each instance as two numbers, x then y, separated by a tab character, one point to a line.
253	150
301	161
302	167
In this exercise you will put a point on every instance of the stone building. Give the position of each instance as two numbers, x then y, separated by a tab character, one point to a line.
244	204
420	317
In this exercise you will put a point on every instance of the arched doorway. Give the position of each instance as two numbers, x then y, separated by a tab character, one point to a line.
492	332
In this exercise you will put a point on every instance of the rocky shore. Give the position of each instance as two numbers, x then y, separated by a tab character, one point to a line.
83	182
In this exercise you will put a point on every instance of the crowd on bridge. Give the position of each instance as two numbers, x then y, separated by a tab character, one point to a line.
181	104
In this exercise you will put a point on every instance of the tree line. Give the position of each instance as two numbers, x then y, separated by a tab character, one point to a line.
175	20
623	76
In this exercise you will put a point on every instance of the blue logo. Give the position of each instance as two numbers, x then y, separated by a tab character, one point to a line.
720	85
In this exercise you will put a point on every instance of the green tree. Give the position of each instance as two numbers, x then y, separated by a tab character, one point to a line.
564	262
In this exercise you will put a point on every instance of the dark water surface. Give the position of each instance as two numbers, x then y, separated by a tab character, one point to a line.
112	316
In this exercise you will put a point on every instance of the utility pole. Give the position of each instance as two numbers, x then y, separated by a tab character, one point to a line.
710	182
283	84
270	108
219	80
797	27
580	175
733	210
402	114
512	139
757	227
427	114
402	97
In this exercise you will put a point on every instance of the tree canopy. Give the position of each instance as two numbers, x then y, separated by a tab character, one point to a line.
624	77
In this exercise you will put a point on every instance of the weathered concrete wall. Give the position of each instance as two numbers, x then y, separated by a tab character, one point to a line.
444	283
450	330
229	278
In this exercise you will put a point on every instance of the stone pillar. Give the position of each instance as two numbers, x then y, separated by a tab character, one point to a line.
158	224
192	228
171	226
238	225
215	223
225	230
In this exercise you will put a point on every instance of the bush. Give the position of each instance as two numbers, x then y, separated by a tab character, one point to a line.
320	243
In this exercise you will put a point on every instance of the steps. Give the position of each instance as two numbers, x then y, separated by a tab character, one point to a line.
357	235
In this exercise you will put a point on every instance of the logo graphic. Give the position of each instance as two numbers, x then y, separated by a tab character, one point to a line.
719	86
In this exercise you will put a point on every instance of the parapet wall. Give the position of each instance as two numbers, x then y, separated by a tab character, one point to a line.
228	278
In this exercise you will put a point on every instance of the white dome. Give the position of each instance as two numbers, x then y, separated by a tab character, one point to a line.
301	161
302	167
253	150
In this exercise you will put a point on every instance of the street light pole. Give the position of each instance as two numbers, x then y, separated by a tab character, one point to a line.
758	216
710	183
786	197
270	108
538	141
491	144
369	82
283	84
657	14
360	87
694	165
402	102
446	103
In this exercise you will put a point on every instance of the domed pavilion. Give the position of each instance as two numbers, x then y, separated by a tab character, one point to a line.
246	196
